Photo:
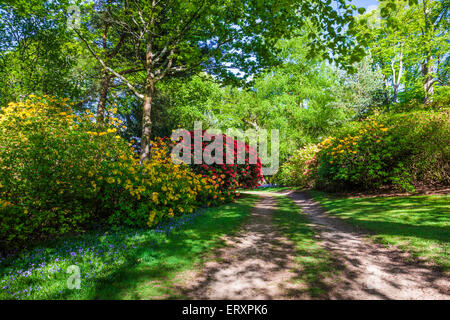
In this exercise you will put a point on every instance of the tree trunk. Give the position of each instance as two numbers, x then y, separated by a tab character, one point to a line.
106	78
394	98
427	70
427	66
146	120
396	81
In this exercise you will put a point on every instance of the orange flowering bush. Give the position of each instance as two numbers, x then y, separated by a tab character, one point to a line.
62	173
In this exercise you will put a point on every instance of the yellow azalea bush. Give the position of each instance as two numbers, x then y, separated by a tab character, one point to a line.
62	173
160	188
399	150
357	158
403	151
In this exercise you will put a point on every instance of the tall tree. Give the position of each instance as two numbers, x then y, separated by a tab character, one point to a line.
433	22
172	36
408	38
107	41
361	93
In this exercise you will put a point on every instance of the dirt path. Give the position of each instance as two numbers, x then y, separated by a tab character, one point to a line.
371	271
257	263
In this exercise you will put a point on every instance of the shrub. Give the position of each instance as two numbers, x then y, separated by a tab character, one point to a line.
231	176
62	173
299	170
402	150
47	160
159	188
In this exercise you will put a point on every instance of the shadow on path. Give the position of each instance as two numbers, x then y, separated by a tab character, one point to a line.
371	271
257	263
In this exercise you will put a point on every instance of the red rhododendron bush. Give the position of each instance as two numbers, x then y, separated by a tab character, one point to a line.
230	175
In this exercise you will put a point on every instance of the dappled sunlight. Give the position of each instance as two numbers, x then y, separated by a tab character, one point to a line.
371	271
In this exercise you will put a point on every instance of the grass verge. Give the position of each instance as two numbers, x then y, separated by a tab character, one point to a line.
417	224
271	189
315	263
128	264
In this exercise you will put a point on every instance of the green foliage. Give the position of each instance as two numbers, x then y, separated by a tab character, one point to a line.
401	150
300	169
37	54
409	45
361	93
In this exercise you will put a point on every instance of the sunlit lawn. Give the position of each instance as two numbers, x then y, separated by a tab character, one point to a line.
130	264
419	224
272	189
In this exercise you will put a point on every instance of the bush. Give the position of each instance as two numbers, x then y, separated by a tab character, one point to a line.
403	151
62	173
160	189
231	176
299	170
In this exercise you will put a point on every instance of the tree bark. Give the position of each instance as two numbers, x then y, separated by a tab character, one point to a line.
427	70
427	66
396	80
101	107
146	120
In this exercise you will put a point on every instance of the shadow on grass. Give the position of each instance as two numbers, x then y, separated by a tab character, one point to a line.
151	272
272	189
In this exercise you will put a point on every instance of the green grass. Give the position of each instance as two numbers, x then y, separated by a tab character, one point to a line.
156	274
314	262
272	189
132	264
417	224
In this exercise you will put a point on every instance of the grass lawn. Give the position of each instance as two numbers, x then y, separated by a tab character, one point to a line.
418	224
314	262
130	264
272	189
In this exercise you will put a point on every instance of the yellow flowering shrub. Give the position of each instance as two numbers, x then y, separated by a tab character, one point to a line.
159	189
62	173
402	150
399	151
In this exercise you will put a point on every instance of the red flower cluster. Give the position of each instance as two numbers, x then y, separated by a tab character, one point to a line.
230	176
